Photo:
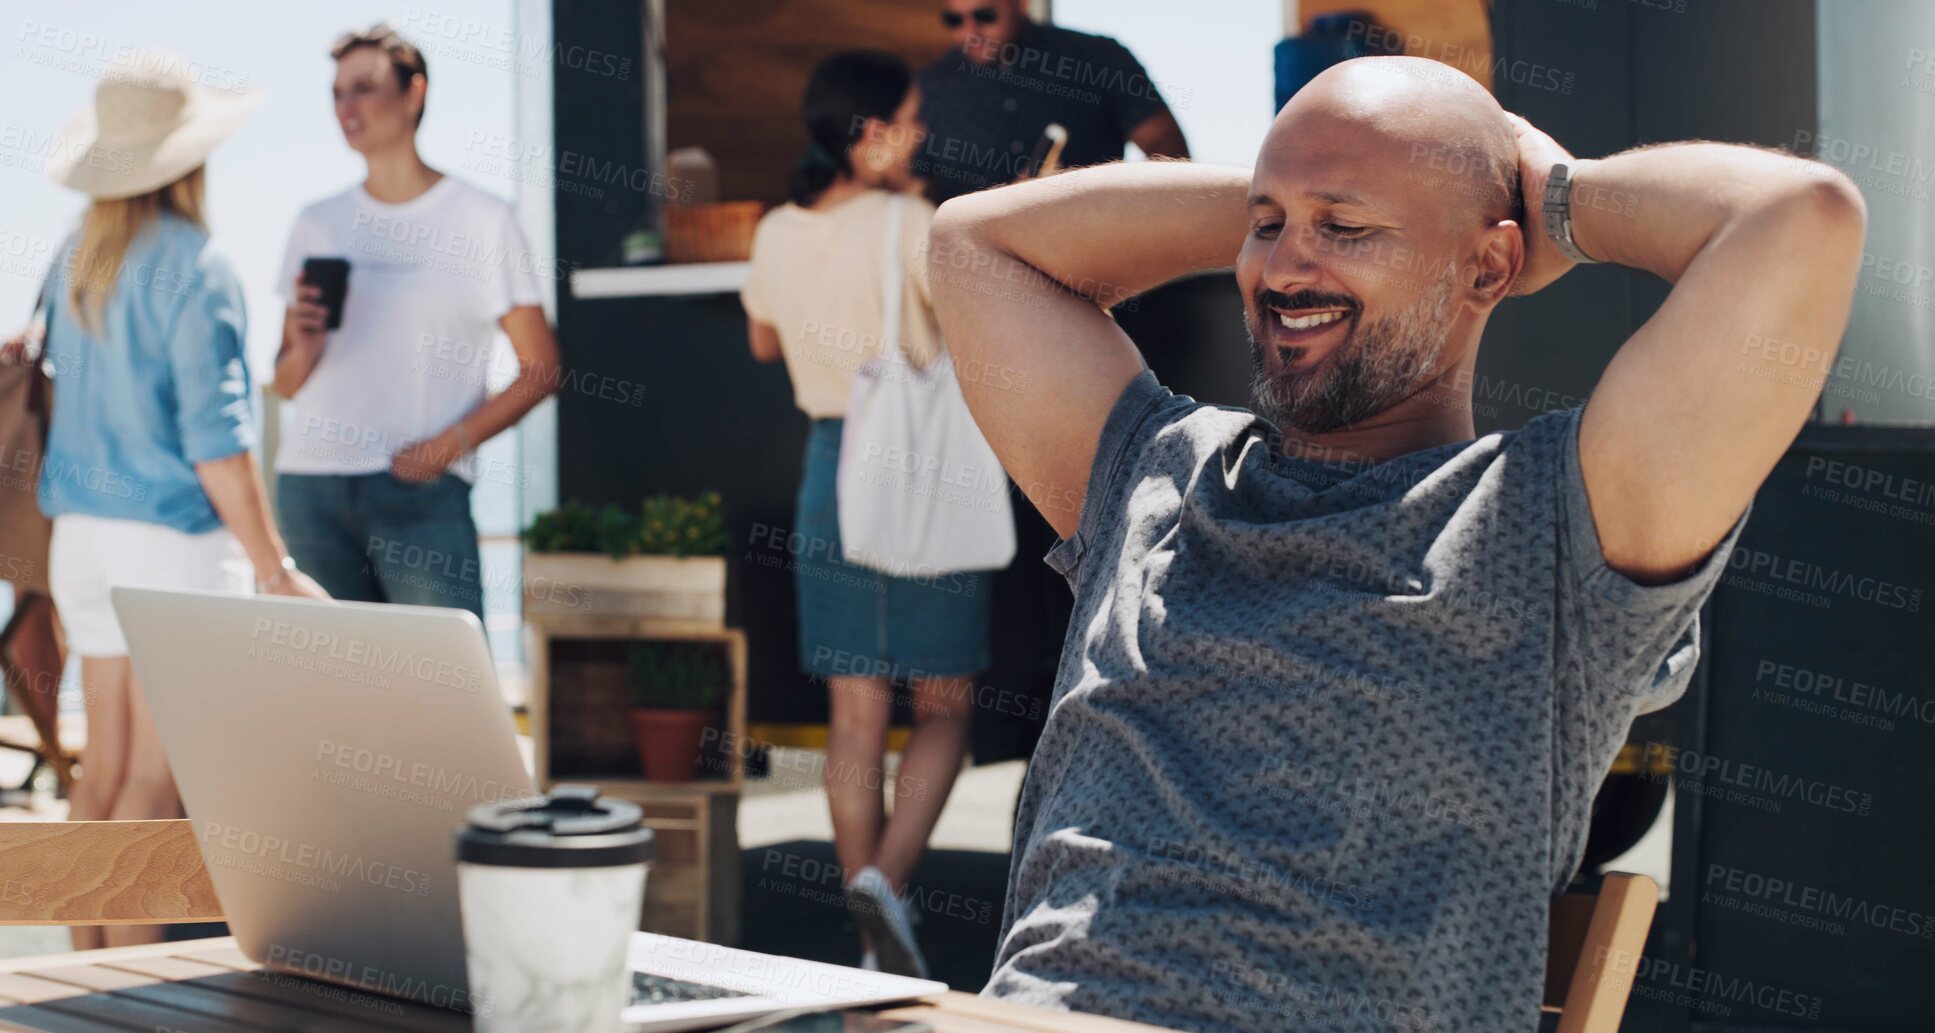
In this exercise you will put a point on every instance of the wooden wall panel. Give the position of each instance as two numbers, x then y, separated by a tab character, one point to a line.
1457	32
735	70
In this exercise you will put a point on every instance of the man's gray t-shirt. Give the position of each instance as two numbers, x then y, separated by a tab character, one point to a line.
1325	737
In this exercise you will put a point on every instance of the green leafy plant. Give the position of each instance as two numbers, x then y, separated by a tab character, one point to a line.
664	525
678	675
670	525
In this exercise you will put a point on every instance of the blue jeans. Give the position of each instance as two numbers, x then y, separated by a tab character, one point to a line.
373	538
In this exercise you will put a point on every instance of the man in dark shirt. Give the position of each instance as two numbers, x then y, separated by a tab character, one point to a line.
987	100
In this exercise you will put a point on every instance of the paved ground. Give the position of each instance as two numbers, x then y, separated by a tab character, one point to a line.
792	883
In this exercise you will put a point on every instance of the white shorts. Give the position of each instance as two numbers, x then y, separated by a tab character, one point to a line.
93	554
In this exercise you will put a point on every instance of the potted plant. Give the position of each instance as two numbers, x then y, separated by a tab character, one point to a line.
676	689
664	559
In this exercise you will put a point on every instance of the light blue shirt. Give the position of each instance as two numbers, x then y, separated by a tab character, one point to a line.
163	386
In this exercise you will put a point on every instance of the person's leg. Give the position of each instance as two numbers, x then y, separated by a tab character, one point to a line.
420	541
317	521
928	766
105	684
841	612
937	629
147	793
856	748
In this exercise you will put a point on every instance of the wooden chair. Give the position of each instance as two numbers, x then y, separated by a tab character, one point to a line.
1593	952
103	873
51	741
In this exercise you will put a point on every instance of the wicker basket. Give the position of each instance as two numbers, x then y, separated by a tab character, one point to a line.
721	232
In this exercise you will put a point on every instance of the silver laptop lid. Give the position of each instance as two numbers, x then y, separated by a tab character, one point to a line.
326	753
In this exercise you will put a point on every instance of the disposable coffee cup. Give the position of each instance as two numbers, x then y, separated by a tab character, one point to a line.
332	276
551	889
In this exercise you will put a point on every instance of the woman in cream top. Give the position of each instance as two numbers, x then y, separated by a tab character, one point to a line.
816	281
813	299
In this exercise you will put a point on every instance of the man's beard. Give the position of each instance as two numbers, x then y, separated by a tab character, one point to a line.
1380	364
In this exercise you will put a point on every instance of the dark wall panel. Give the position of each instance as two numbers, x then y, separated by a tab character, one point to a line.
1546	351
604	189
1811	870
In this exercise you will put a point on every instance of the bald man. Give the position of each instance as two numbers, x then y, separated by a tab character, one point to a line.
1341	678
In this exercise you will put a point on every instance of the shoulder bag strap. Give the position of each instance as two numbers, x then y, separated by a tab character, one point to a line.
890	282
37	386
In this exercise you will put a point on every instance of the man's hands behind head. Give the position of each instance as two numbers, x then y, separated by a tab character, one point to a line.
1537	153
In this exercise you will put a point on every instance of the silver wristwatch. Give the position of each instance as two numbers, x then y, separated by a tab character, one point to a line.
1558	213
288	568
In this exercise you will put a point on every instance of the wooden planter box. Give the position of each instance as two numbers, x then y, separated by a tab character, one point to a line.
579	698
575	584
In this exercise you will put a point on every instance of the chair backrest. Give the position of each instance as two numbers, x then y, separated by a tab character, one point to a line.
1593	952
103	873
46	735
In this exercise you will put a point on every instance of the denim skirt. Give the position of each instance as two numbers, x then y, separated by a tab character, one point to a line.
858	621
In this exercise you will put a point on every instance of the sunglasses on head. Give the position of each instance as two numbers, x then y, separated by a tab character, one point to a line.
981	16
379	34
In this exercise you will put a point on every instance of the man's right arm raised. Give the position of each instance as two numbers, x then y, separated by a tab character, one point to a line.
1022	278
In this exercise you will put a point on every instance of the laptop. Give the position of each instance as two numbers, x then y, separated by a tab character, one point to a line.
326	754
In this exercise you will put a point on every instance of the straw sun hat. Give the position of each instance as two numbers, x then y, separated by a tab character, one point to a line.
150	125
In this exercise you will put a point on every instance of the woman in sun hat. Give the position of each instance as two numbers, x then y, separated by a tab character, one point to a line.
147	473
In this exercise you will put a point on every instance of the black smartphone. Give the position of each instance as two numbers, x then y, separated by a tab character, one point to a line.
332	275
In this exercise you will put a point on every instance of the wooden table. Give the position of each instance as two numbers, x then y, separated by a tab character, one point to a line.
207	986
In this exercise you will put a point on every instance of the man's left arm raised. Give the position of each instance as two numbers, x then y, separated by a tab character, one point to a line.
1762	250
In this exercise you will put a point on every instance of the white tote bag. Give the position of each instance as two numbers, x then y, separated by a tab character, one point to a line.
920	492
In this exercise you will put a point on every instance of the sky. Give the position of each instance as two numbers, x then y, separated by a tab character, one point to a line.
286	155
1221	85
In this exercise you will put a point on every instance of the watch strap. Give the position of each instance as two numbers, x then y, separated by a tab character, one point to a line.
1556	210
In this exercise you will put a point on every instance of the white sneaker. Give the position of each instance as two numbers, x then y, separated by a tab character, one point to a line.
888	921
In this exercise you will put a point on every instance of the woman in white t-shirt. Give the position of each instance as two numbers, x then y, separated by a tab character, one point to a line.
385	412
814	297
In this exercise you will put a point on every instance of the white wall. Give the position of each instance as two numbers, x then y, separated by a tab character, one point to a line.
1213	64
1877	124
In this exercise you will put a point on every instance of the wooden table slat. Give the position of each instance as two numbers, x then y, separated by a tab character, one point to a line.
1002	1014
236	987
366	1010
231	958
121	1009
167	967
201	1007
18	988
35	1018
98	978
31	963
943	1022
209	986
252	1012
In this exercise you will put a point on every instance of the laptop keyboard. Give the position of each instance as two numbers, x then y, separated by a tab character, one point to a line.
651	989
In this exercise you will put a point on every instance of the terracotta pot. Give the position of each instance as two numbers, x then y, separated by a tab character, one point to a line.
669	741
